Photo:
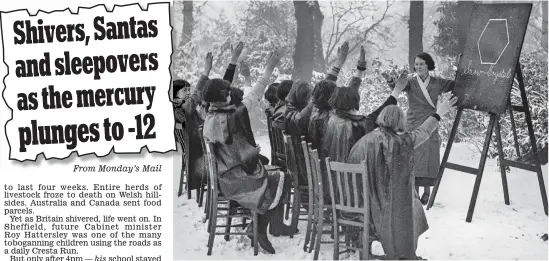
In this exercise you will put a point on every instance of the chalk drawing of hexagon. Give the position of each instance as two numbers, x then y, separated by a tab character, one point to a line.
493	41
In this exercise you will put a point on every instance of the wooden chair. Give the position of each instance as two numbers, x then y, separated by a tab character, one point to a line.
269	116
346	194
298	189
278	151
182	137
216	205
311	196
278	154
204	181
322	213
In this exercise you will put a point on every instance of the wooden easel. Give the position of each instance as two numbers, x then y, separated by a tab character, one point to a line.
494	120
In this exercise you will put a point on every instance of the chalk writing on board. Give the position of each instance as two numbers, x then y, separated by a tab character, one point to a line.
490	73
493	41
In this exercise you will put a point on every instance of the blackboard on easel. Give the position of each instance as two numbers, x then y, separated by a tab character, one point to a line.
487	67
484	80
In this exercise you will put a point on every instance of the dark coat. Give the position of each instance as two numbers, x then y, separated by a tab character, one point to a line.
397	216
241	175
295	125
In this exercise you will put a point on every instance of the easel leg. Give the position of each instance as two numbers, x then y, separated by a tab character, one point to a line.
532	136
445	158
481	167
536	159
501	166
514	128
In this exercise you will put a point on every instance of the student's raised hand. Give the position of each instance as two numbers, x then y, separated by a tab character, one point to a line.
401	81
236	52
362	58
445	103
245	69
274	58
208	64
387	77
342	53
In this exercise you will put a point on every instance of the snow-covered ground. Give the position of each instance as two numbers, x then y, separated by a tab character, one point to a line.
497	231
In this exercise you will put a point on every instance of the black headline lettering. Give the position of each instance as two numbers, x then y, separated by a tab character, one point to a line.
111	63
124	30
95	65
118	96
57	134
27	33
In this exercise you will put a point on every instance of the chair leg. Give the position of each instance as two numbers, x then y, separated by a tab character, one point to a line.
287	204
188	182
255	241
206	212
201	197
296	209
313	236
309	225
181	180
213	224
336	241
244	223
320	227
228	222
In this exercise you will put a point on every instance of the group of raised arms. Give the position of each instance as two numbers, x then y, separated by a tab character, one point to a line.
401	151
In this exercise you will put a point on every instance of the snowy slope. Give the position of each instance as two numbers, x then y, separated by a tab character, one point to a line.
497	231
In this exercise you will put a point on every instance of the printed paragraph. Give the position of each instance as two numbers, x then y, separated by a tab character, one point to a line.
35	232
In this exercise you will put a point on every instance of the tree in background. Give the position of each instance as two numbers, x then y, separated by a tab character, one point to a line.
267	25
362	23
188	23
318	19
304	45
415	31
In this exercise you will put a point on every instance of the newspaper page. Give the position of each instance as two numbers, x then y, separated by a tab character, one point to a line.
273	130
87	131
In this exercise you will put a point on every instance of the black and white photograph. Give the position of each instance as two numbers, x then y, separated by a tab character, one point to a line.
360	130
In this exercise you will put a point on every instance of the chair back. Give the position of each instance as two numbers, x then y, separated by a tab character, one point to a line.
348	184
269	116
203	144
290	155
310	169
181	136
212	172
277	144
316	171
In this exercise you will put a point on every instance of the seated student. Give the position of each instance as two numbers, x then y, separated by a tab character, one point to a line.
181	91
271	98
324	90
194	110
237	95
282	91
241	175
396	216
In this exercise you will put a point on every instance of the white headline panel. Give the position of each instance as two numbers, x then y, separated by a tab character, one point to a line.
89	82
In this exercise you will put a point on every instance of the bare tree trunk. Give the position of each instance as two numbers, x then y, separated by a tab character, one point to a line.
415	35
464	11
188	23
544	25
304	44
318	19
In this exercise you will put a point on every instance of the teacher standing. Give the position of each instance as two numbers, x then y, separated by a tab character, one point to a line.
423	91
